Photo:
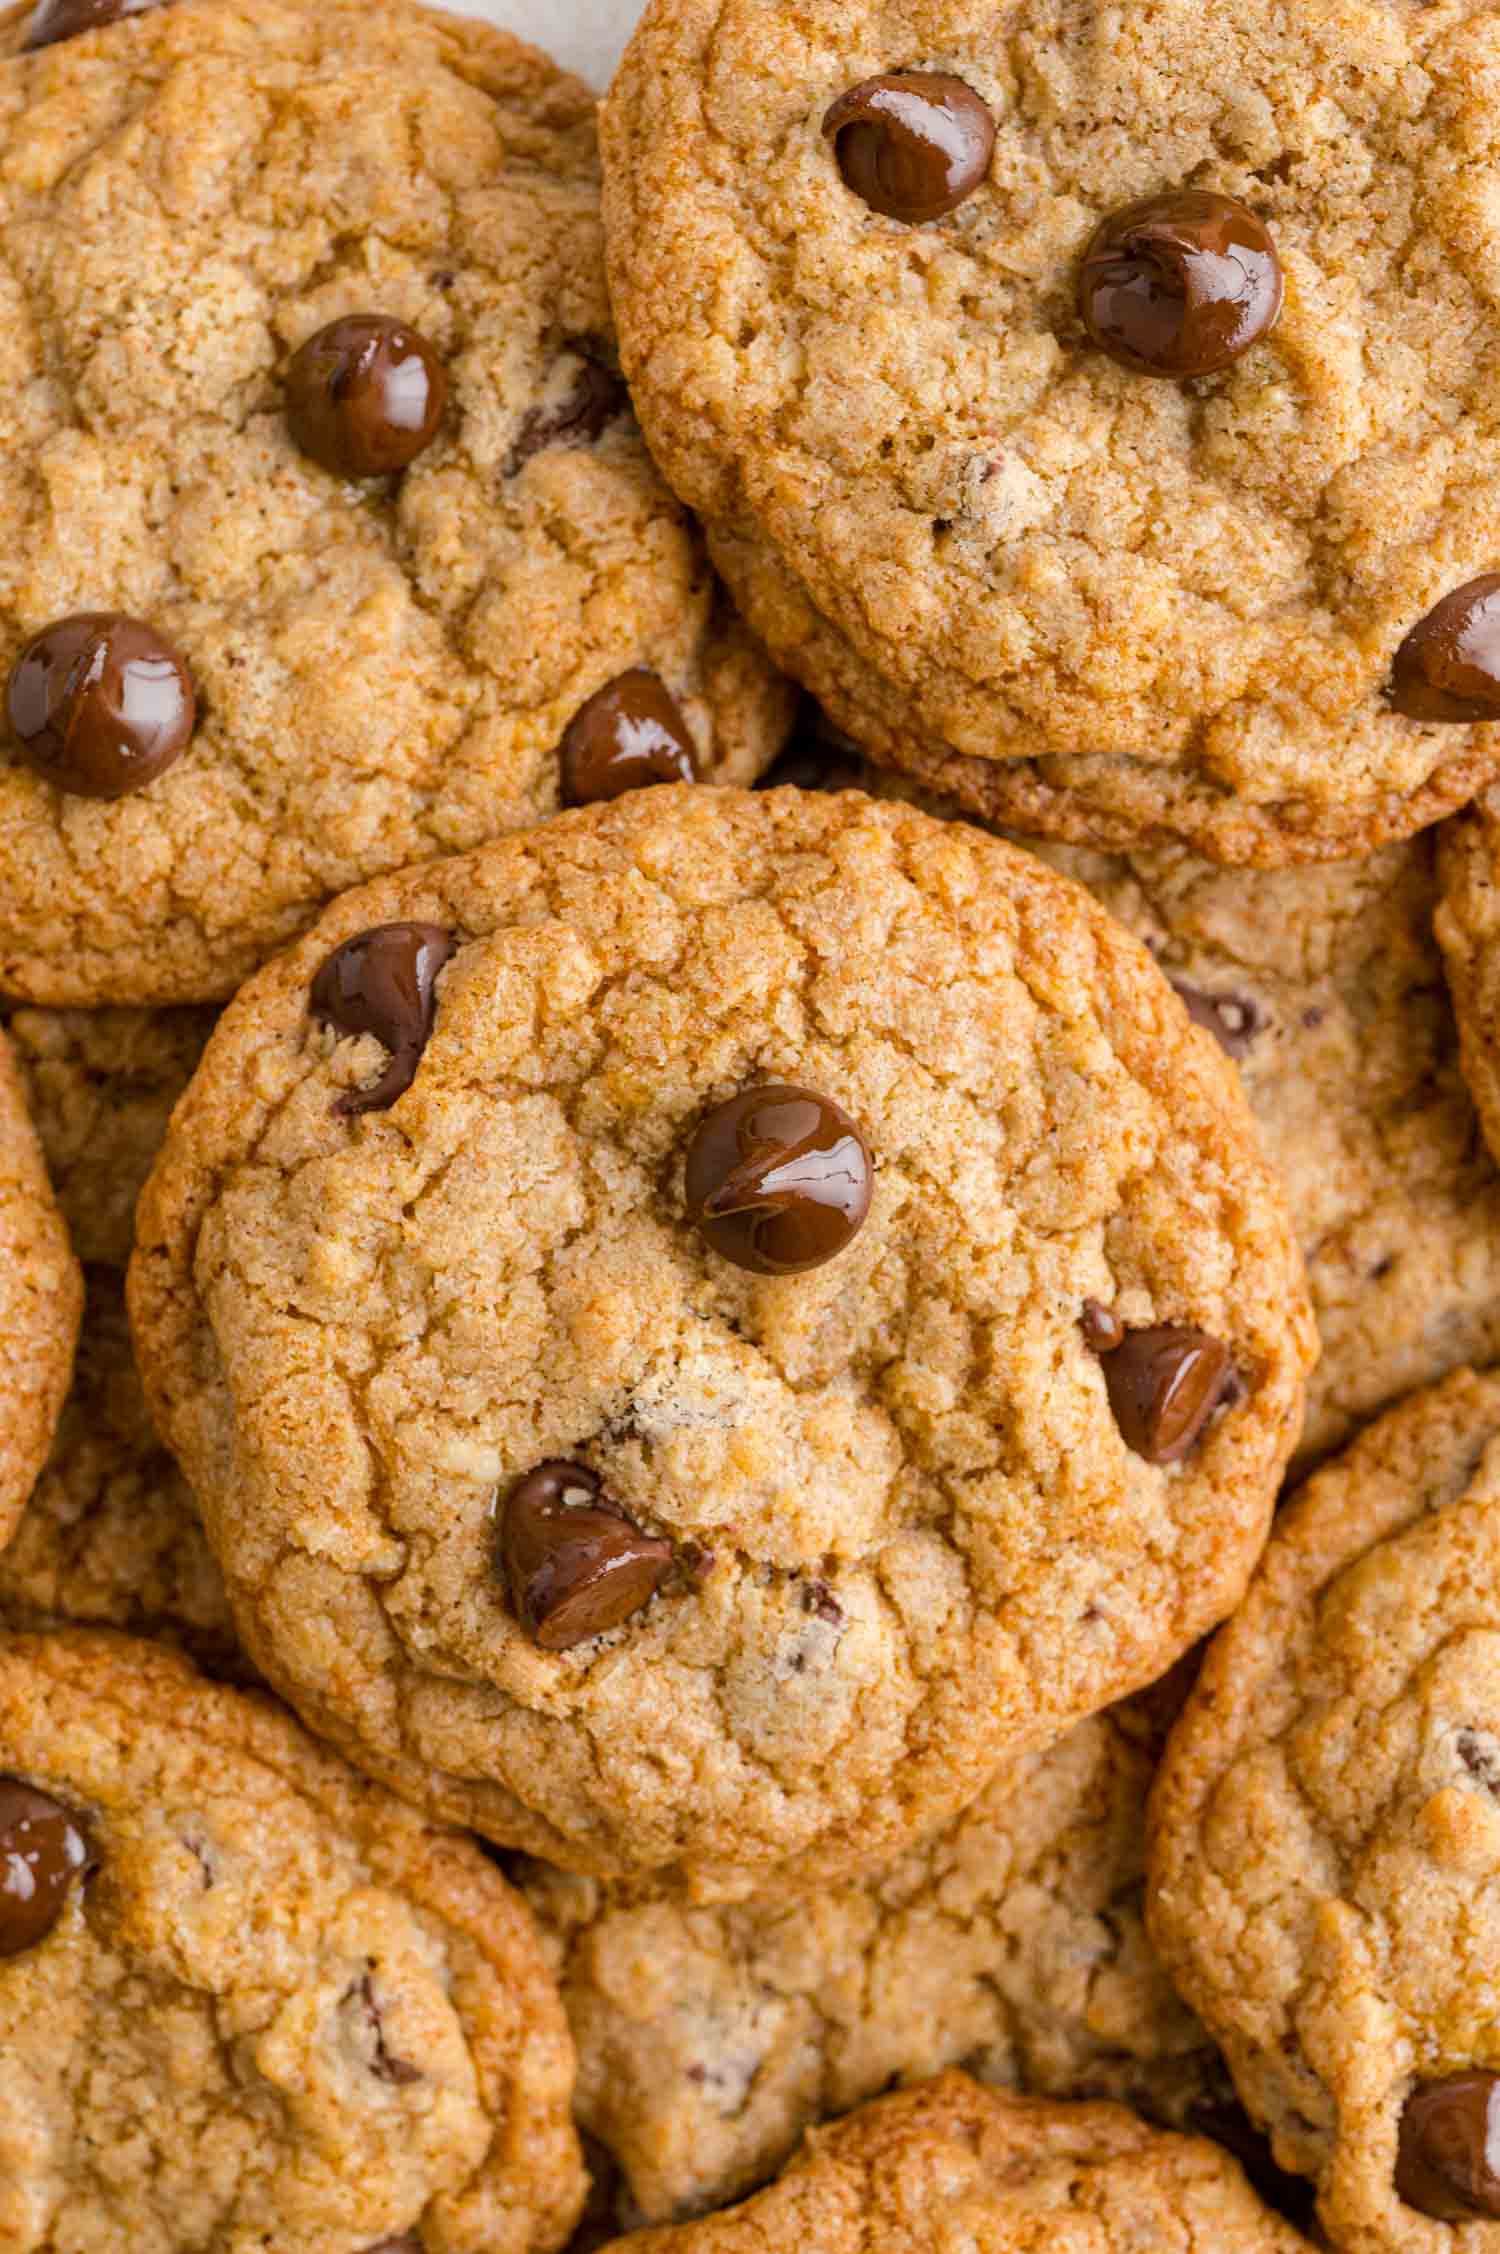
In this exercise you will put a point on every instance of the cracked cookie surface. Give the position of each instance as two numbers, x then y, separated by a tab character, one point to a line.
1325	1857
1094	603
384	669
952	2164
274	2006
41	1298
1468	926
908	1537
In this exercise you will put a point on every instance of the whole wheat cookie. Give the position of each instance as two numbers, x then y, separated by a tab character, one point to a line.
700	1330
41	1298
1095	410
1325	1861
327	540
250	1999
952	2165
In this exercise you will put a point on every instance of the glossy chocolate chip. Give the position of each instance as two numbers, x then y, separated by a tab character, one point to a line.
384	982
53	20
628	736
1448	668
778	1180
1164	1384
42	1851
1102	1328
365	396
100	704
573	1563
913	144
1448	2152
1233	1019
592	401
1180	284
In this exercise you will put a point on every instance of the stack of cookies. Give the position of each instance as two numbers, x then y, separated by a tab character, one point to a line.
639	1355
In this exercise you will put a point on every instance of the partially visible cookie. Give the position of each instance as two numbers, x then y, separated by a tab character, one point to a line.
328	542
1012	1944
41	1298
1325	1862
250	1999
952	2166
700	1330
1468	926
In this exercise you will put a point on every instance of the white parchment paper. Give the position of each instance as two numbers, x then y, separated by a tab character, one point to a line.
586	35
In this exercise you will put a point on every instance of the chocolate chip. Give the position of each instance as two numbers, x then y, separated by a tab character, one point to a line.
1448	668
573	1562
1480	1755
365	396
1164	1384
819	1599
1234	1020
778	1180
913	144
100	704
1102	1328
53	20
384	982
1448	2148
1180	284
42	1850
594	399
383	2064
627	736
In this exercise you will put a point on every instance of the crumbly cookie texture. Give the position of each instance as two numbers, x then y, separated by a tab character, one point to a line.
908	1538
384	669
1013	1943
952	2164
1468	927
1097	604
41	1299
280	2009
1325	1861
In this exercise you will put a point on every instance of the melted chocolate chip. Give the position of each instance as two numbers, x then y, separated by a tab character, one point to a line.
384	982
1180	284
1448	668
42	1851
54	20
1164	1384
1234	1020
913	144
577	419
1102	1328
628	736
778	1180
100	704
573	1562
383	2064
365	396
1448	2153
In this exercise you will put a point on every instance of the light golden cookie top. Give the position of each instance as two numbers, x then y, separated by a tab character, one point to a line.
1326	1860
384	667
252	2000
41	1299
997	1456
951	2165
1103	603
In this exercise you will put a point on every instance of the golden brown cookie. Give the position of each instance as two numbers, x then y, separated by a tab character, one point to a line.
1468	926
329	664
883	276
249	1999
41	1297
661	1484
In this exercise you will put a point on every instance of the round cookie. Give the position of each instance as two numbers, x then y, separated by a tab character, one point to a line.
447	1365
1012	1943
1468	927
41	1299
385	668
251	1999
953	2165
1096	603
1325	1858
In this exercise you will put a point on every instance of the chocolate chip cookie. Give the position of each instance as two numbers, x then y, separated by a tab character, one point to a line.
1325	1867
248	1999
702	1329
41	1296
955	2165
1096	411
709	2039
327	540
